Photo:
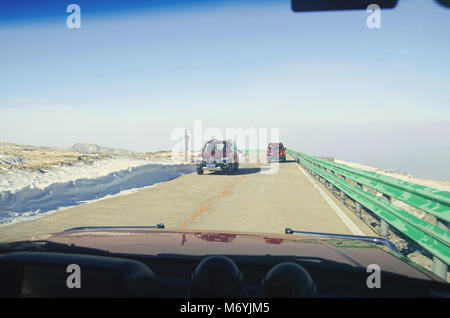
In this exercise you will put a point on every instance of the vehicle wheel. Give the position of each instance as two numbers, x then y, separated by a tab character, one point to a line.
200	171
230	168
236	166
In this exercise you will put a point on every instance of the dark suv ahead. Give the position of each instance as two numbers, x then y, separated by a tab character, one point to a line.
218	154
276	151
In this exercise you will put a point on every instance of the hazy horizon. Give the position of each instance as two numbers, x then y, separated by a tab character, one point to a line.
331	85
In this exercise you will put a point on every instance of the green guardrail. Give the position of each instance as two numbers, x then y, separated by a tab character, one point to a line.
429	200
433	238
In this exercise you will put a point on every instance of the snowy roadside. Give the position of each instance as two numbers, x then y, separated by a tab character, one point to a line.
16	180
25	194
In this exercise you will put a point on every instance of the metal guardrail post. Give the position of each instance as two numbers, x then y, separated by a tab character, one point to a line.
342	197
384	228
358	209
439	267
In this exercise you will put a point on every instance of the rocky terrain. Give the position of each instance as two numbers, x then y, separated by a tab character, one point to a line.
15	157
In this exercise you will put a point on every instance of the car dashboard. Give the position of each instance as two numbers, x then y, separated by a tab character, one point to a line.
61	274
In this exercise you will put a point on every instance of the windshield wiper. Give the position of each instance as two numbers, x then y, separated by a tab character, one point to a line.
47	246
371	239
157	226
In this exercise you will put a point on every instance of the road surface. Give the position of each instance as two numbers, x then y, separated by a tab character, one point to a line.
247	200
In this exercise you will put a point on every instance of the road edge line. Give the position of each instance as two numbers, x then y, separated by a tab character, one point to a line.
344	218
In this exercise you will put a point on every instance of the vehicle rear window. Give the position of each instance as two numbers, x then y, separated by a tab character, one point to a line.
276	147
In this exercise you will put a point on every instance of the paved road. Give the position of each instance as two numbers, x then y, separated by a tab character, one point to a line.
247	200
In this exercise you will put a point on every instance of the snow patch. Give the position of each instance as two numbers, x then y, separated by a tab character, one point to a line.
9	159
25	195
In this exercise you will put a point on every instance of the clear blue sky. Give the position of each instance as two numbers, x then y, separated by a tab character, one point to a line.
332	85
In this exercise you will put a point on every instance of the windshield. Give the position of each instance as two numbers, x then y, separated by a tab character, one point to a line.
108	110
211	147
276	147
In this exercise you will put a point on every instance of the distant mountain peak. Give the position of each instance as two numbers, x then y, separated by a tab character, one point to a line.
93	148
